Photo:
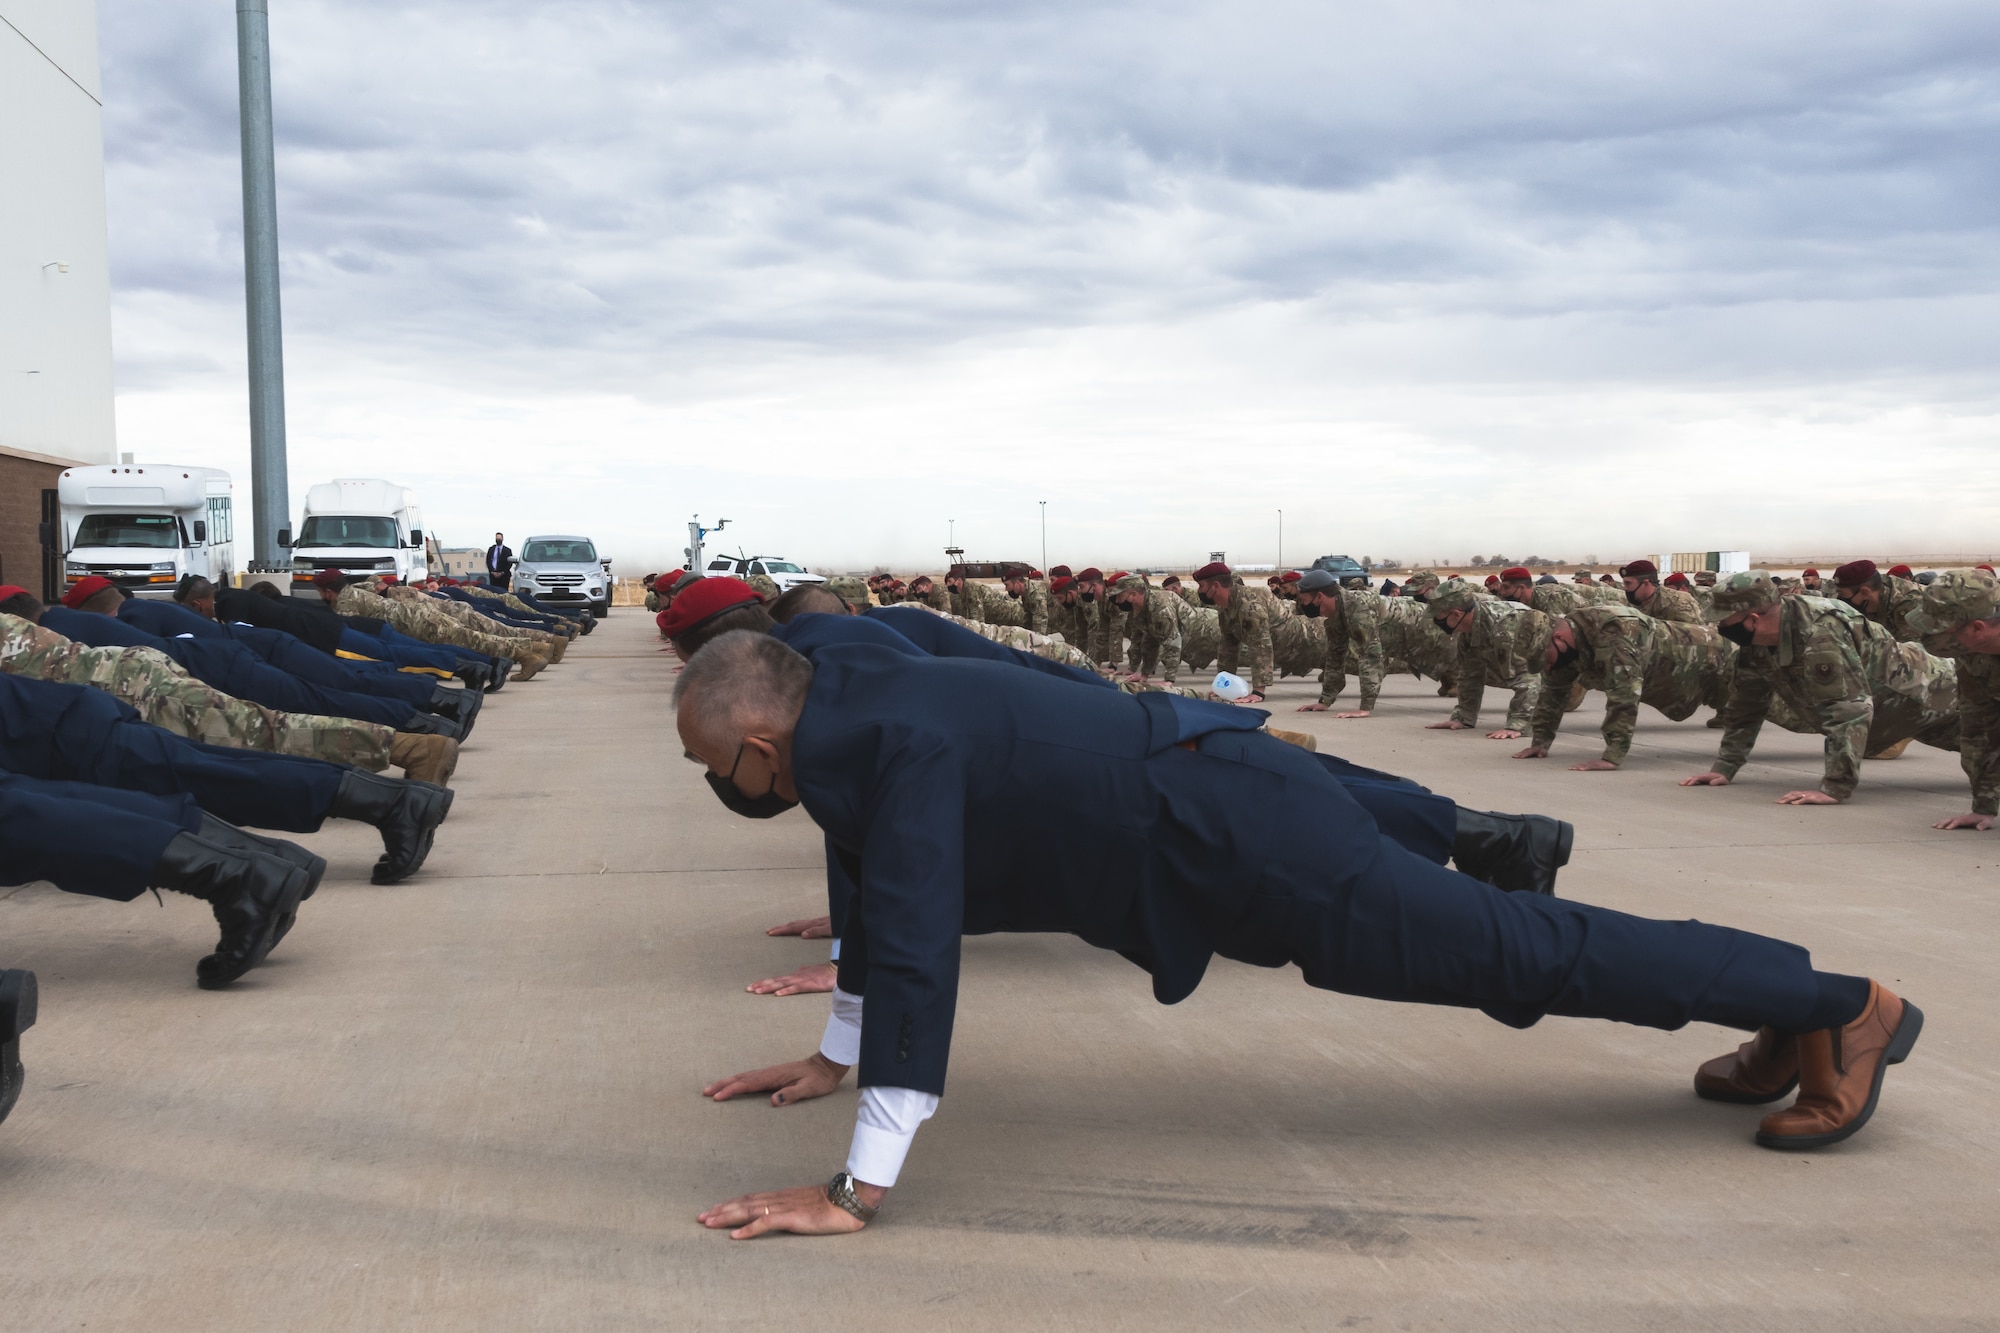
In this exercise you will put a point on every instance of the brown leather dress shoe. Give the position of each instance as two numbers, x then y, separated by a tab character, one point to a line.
1840	1073
1762	1069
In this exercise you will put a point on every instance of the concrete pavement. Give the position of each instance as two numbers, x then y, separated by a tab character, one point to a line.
469	1101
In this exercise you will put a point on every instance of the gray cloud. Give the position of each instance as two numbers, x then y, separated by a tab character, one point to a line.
693	207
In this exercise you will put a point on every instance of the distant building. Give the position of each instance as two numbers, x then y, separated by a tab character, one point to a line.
463	562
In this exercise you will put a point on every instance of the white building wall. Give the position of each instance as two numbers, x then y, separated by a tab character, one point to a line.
55	326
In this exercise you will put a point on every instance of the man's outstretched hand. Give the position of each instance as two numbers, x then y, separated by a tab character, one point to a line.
796	1081
812	979
806	928
805	1212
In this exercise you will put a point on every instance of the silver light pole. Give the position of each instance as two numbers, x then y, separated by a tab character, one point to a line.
1281	540
1045	535
270	491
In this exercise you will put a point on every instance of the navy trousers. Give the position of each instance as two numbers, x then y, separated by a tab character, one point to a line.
401	649
75	733
86	839
1361	914
235	670
296	658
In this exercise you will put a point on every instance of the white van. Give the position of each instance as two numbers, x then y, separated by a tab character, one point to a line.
359	525
564	571
144	527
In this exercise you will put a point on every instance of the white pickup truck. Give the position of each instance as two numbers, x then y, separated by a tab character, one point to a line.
781	572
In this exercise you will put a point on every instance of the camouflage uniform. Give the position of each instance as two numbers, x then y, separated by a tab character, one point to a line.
1634	659
1355	644
1704	600
1299	648
1019	636
418	622
471	618
1411	642
1034	604
164	694
508	600
1898	610
1156	633
1245	624
1864	690
1490	652
851	590
1107	636
1960	595
1191	595
1672	605
1201	637
764	584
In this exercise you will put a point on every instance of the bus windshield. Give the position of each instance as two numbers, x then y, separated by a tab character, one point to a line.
339	530
560	553
153	532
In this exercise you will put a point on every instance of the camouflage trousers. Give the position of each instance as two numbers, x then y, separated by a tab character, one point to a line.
1048	646
470	617
1201	639
415	621
506	599
161	692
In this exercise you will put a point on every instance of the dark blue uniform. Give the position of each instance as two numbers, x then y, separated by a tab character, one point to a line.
223	664
86	839
284	651
75	733
948	790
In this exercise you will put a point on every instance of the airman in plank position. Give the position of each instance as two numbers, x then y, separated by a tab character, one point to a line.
1830	663
1490	634
1632	657
1243	620
1961	613
1352	621
1643	590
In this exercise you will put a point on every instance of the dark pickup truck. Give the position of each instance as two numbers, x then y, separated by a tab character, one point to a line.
1340	566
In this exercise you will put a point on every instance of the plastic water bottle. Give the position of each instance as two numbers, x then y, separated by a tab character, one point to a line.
1230	687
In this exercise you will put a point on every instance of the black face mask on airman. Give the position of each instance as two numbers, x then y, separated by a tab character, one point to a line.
750	807
1309	609
1739	634
1206	600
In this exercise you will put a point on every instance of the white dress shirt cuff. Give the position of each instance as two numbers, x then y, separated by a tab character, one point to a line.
885	1124
836	949
842	1041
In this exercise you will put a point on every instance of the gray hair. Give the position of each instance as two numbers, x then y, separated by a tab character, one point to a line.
742	681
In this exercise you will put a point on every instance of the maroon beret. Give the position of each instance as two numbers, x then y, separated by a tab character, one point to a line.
1291	576
1214	569
1091	575
1640	569
1677	580
703	601
1516	574
1492	579
1809	574
1854	573
329	578
1061	572
84	589
1060	581
1901	572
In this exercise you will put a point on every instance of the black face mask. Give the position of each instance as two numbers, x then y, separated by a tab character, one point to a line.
1206	600
1086	596
1015	595
1632	597
1308	609
1442	622
1564	657
1739	634
750	807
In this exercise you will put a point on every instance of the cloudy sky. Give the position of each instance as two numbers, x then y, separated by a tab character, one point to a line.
1432	278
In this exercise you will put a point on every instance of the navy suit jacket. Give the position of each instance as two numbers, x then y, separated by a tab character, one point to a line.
967	797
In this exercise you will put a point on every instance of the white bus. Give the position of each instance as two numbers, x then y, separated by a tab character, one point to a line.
145	527
360	526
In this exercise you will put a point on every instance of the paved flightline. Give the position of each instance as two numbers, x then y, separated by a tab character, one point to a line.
469	1101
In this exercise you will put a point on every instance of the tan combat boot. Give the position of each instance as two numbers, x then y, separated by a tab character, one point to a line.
1893	750
527	664
424	758
1303	740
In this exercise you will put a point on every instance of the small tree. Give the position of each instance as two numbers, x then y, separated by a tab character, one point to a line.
1479	562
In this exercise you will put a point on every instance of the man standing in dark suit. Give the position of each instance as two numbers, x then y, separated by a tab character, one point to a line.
499	561
943	786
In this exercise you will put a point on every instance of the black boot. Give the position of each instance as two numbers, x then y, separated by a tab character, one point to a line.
430	724
459	706
1518	853
229	835
474	675
502	668
406	814
254	895
17	1015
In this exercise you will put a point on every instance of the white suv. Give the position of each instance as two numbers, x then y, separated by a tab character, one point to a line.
781	572
566	572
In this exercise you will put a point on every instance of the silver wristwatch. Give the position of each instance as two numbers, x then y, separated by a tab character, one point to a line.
840	1193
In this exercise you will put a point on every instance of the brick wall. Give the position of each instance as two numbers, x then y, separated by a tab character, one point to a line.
23	477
